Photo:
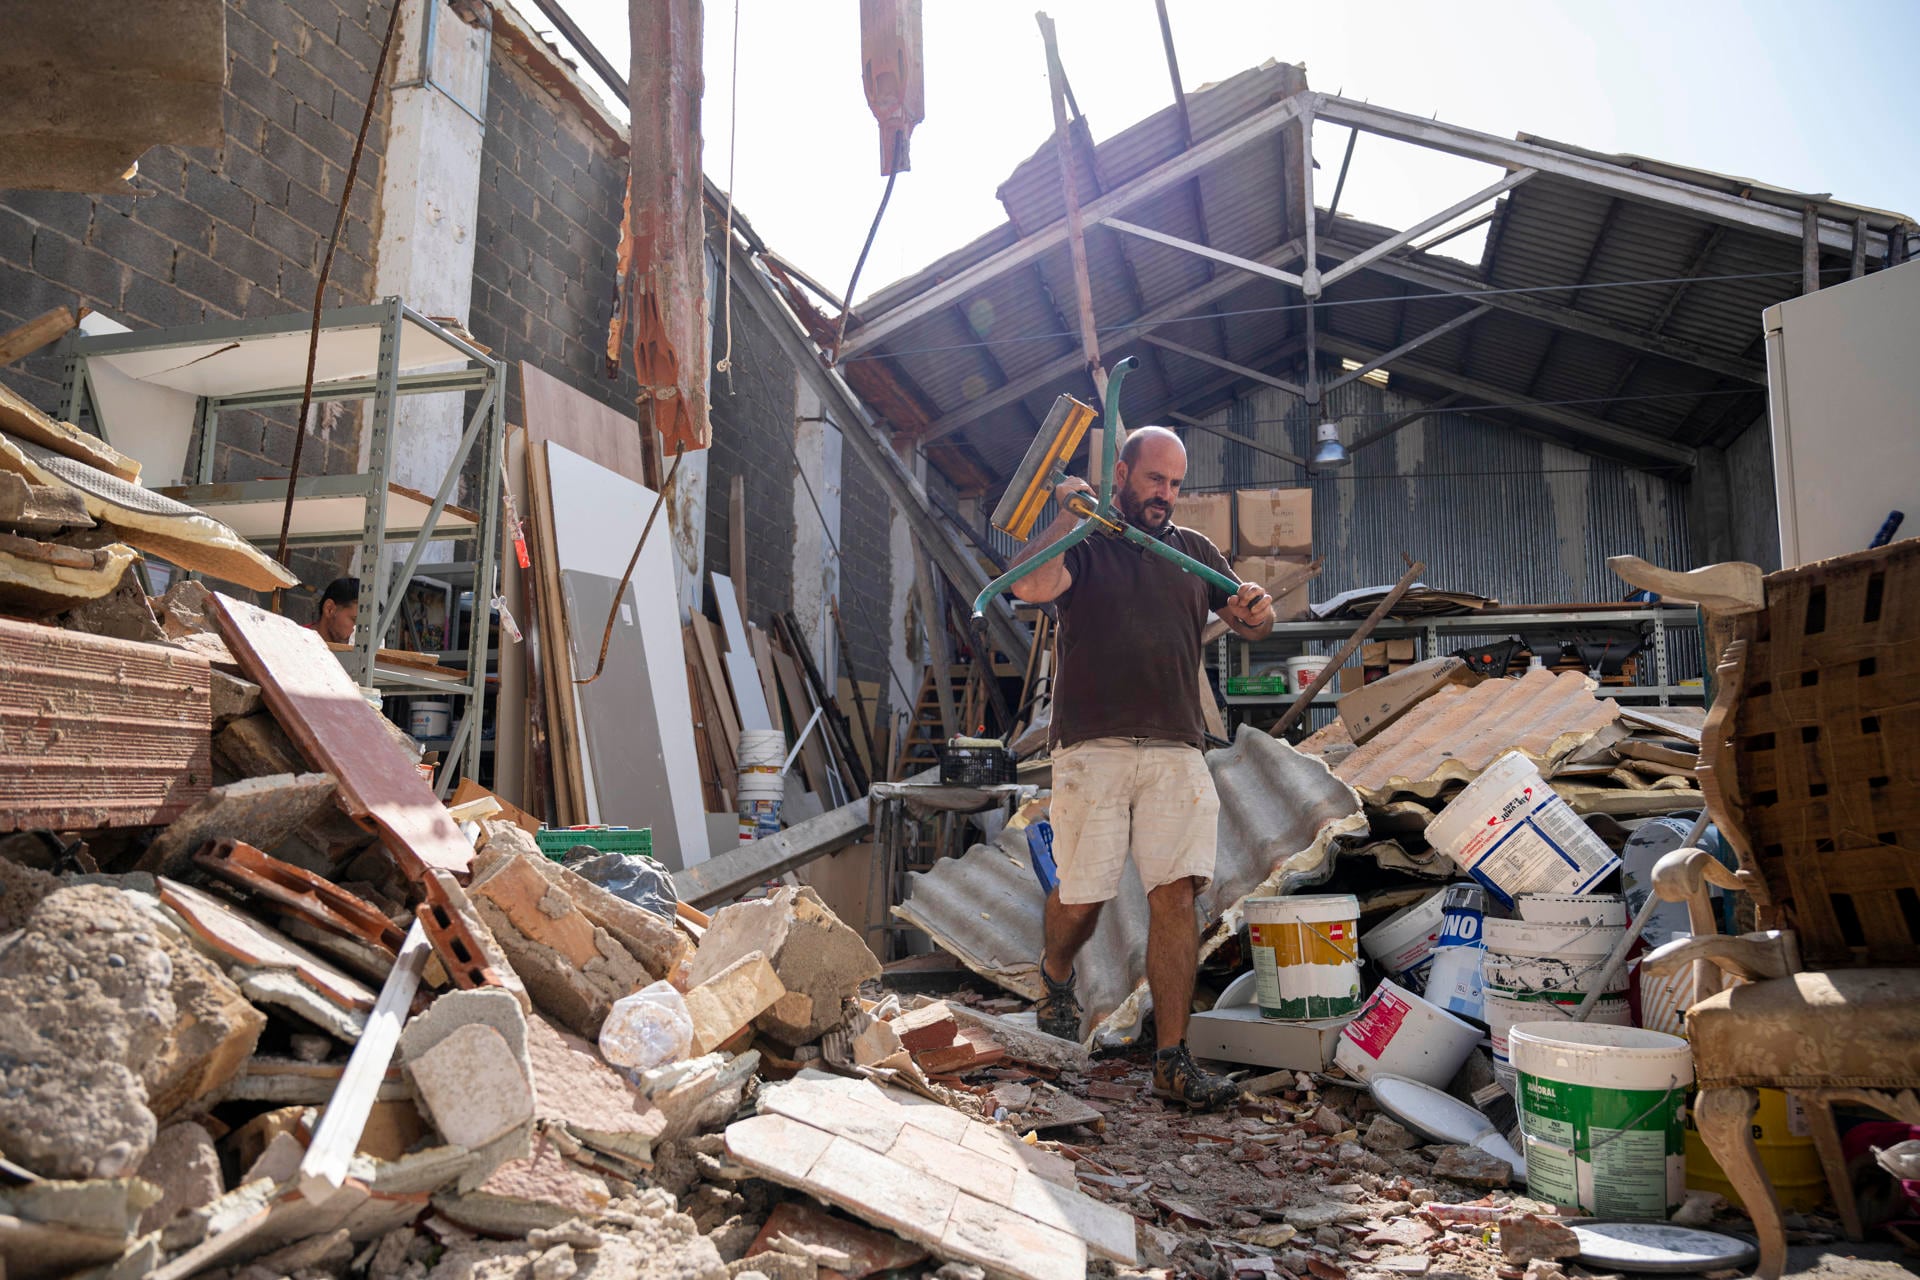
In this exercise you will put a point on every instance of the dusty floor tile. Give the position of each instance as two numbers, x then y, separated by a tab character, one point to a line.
969	1170
1003	1241
877	1189
782	1148
1109	1232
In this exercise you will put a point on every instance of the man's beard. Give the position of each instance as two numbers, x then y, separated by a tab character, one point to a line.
1152	516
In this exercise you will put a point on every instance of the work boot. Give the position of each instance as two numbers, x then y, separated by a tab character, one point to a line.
1058	1012
1177	1076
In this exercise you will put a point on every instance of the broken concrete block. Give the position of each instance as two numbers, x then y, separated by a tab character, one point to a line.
700	1093
730	999
472	1086
931	1026
576	1090
183	1164
1388	1134
232	699
445	894
573	969
650	939
85	1004
1472	1166
815	955
543	1190
1527	1236
59	1228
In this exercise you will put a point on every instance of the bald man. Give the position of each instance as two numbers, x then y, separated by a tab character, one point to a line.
1128	773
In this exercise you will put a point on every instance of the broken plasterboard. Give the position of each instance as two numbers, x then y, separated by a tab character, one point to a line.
598	517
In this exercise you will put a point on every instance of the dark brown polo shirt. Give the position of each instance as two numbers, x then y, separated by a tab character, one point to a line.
1129	641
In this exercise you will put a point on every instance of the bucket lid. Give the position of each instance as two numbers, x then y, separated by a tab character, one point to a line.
1657	1248
1433	1114
1591	1036
1317	908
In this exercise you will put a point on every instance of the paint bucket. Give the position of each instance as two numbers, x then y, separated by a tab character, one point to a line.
429	717
1303	671
1604	909
1514	834
1506	1009
1785	1141
762	786
1525	956
1402	944
1600	1115
1651	841
1398	1033
1453	977
1304	955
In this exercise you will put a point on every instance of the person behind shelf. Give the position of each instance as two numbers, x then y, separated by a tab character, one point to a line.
339	611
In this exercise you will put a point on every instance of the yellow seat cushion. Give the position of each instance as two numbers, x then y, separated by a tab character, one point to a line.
1839	1028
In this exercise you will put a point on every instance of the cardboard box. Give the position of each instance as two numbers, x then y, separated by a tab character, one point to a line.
1373	653
1400	650
1275	522
1267	570
1351	678
1208	513
1367	711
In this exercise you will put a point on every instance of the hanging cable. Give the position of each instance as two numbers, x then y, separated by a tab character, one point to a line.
846	308
613	612
320	286
725	363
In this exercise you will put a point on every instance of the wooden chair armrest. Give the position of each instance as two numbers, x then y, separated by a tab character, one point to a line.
1753	956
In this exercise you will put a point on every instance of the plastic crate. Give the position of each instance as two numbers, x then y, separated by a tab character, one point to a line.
1256	684
975	766
555	842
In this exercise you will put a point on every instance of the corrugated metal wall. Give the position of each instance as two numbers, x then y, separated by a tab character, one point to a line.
1490	510
1754	509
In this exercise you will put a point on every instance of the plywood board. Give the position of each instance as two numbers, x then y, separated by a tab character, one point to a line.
582	425
598	518
763	663
556	667
822	777
708	646
754	712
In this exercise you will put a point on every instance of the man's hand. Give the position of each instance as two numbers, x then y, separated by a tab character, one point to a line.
1250	612
1066	489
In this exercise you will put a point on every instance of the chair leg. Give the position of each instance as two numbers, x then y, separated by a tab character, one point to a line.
1725	1120
1826	1140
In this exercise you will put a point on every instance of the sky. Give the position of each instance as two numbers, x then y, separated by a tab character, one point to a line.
1814	98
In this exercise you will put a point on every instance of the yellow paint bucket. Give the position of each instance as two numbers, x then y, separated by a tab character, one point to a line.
1305	955
1787	1153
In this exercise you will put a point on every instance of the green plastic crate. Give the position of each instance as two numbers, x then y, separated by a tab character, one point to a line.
1256	684
555	842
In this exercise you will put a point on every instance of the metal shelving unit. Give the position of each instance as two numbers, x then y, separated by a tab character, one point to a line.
1288	639
158	395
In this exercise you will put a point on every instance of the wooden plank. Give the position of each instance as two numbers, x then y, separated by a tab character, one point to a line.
563	734
97	732
48	326
582	425
822	776
323	711
726	876
769	679
703	733
638	716
753	715
708	647
737	540
21	419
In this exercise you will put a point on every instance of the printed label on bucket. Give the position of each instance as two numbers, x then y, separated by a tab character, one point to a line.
1378	1023
1547	848
1613	1153
1304	970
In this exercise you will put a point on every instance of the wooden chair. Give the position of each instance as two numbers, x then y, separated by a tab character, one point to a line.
1810	763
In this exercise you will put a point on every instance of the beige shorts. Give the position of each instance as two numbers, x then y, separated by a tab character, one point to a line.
1112	796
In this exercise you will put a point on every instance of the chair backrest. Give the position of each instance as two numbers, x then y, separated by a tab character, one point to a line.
1813	755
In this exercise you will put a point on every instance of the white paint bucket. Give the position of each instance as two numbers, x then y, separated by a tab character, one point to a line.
1525	956
761	785
1304	670
1305	960
1510	831
1453	981
1600	1111
429	718
1398	1033
1572	908
1402	944
1506	1009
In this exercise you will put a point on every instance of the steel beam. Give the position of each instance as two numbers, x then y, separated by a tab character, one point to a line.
1205	251
1051	372
1530	306
1207	357
1375	252
1581	424
1054	234
1671	192
1440	330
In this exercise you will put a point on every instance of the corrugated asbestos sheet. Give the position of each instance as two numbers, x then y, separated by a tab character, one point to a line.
96	732
1281	814
1521	520
1455	734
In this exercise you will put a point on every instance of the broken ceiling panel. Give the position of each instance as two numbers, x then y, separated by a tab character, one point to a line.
1455	734
1280	814
92	84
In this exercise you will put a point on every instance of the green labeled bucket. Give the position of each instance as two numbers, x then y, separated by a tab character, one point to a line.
1601	1111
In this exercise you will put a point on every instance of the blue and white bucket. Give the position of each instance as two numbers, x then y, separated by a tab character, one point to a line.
1453	977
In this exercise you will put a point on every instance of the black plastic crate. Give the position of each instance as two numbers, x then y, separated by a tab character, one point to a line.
975	766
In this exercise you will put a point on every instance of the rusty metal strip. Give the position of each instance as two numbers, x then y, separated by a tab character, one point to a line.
300	892
96	732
